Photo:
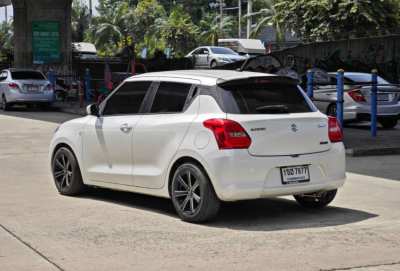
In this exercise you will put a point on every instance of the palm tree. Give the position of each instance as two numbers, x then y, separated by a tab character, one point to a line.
267	17
111	28
178	31
211	29
80	21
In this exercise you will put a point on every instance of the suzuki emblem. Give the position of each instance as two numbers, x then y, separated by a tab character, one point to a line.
294	128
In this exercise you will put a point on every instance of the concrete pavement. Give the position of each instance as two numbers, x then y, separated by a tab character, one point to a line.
108	230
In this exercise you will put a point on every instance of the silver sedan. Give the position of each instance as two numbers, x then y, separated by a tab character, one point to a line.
24	87
212	56
357	95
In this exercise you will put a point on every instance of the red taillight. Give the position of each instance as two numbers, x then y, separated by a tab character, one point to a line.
13	85
356	95
228	133
335	131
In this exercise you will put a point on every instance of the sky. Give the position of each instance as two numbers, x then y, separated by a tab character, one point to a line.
10	10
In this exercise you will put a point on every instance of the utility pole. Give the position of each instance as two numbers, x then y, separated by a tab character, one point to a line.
240	18
221	13
5	13
91	8
249	12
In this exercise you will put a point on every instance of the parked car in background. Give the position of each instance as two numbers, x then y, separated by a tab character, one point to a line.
19	86
200	137
357	99
212	56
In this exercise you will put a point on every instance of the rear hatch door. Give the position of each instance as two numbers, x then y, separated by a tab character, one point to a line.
276	114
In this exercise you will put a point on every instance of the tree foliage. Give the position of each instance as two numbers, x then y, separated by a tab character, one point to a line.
318	20
179	31
185	24
80	20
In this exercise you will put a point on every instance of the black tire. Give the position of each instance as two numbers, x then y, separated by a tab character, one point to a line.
192	194
3	104
66	173
331	111
316	200
213	64
388	123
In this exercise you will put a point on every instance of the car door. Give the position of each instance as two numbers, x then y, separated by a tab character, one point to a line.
3	82
204	58
107	140
197	54
159	133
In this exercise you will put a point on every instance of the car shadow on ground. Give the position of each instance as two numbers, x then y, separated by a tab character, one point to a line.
255	215
36	113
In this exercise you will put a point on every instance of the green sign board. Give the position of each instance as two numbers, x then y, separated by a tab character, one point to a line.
46	42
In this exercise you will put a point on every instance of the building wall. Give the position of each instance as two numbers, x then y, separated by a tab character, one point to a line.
359	55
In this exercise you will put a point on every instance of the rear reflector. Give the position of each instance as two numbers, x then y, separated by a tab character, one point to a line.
335	131
228	133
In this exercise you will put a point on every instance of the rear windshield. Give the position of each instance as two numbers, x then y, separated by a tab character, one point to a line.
363	78
264	98
27	75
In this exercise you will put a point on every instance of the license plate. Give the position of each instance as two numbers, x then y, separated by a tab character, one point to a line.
295	174
383	97
33	88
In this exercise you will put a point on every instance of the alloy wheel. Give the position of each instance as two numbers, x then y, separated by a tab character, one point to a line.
186	192
62	171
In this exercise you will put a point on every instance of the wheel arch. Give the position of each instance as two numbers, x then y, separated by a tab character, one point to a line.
180	161
62	145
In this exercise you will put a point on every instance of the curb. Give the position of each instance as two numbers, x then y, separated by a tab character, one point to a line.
372	152
80	111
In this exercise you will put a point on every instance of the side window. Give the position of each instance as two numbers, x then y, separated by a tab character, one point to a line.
3	76
127	99
197	52
170	97
205	51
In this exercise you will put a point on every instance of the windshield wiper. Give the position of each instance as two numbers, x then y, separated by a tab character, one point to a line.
273	109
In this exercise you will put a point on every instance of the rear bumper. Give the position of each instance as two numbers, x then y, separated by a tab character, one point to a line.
236	175
30	98
363	112
367	116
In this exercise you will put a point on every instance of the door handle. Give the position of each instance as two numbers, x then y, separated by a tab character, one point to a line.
125	128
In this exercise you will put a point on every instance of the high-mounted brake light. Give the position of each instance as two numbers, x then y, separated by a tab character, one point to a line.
356	95
335	131
228	133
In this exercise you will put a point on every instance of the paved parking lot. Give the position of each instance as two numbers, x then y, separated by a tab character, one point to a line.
108	230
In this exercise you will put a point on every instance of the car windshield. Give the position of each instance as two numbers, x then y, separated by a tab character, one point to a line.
364	78
223	51
27	75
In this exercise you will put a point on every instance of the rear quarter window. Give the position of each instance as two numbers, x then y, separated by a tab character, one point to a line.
264	98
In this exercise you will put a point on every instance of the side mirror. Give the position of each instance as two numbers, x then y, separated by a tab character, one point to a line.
92	110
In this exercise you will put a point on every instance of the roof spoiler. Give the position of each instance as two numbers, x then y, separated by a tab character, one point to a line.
272	79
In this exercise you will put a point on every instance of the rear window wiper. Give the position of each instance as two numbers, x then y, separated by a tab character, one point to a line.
273	109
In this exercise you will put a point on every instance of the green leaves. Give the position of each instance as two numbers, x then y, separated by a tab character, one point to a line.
338	19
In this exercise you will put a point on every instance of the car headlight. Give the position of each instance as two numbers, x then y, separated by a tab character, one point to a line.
224	59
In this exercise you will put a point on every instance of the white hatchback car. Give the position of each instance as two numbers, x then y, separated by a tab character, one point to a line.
201	137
